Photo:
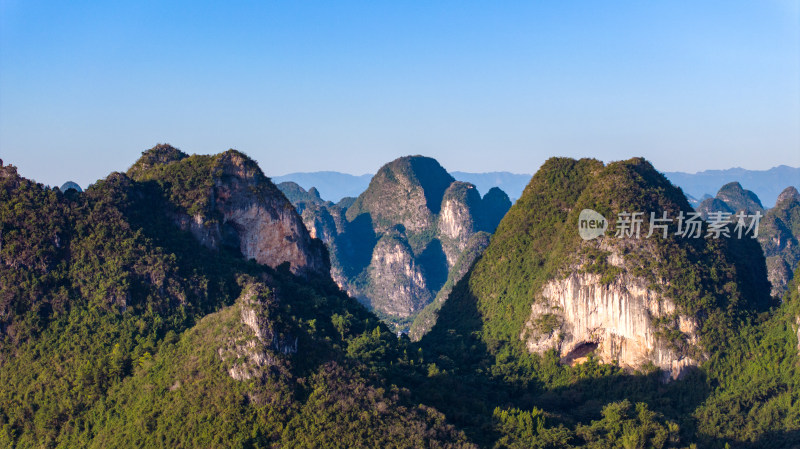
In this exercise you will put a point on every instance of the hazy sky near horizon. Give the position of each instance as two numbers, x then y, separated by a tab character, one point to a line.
85	87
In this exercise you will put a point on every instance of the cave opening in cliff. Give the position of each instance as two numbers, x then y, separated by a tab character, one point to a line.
579	352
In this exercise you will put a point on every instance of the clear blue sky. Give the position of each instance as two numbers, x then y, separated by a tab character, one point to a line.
85	87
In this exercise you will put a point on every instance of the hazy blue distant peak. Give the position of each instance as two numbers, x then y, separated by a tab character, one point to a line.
70	185
331	185
741	171
297	194
766	184
511	183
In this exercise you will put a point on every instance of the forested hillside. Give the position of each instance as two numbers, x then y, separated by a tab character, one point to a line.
121	330
146	312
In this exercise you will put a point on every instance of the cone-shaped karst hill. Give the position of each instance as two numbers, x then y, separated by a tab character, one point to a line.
539	286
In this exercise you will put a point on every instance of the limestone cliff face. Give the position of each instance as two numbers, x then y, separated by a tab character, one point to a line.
428	316
456	223
779	234
320	223
251	344
398	286
428	217
731	198
232	204
327	223
406	191
580	315
248	354
658	300
797	324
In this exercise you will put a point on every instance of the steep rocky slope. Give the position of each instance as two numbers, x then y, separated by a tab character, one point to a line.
406	191
779	234
395	245
427	317
779	229
634	301
731	198
300	197
121	326
120	329
226	201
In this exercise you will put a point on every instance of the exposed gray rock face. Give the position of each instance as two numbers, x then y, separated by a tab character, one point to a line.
321	223
249	213
456	223
226	201
427	216
430	314
616	321
269	229
246	350
648	302
731	198
622	321
779	233
407	191
327	223
463	213
252	347
780	275
797	322
398	286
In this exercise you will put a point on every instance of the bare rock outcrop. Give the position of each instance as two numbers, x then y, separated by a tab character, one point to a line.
423	219
227	201
623	321
253	346
398	286
456	222
778	235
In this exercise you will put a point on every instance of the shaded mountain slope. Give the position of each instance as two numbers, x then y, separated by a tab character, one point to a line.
225	200
537	268
394	246
779	235
731	198
120	327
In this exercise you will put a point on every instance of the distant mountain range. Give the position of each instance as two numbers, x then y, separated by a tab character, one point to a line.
409	236
187	301
333	186
767	184
511	183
